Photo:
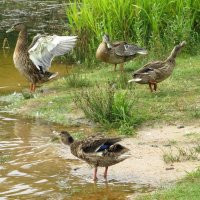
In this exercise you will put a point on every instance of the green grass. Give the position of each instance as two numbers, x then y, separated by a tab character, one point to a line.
176	100
106	106
74	80
155	24
188	188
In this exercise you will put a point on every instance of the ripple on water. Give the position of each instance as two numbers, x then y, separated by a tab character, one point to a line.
19	189
18	173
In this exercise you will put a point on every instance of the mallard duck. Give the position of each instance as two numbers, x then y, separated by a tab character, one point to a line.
34	61
117	52
155	72
96	150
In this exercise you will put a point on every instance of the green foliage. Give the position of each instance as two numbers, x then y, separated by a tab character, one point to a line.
156	24
106	106
76	80
197	148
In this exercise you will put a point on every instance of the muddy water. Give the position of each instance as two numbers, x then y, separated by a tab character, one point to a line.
34	167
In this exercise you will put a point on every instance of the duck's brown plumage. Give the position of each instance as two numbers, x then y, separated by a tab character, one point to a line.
96	150
157	71
23	62
117	52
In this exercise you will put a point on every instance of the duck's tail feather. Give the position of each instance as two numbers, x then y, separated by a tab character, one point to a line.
135	80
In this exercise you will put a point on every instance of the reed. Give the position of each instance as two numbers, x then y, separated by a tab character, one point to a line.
155	24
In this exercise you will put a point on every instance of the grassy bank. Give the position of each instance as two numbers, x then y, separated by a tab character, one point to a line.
188	188
105	97
128	106
154	24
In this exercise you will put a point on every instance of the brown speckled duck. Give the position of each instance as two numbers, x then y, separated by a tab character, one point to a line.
157	71
96	150
117	52
34	61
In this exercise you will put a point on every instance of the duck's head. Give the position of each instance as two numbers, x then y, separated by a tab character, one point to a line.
66	138
16	27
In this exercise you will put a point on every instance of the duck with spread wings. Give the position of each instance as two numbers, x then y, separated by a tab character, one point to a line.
34	61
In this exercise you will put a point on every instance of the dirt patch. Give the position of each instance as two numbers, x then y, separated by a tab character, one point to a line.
147	166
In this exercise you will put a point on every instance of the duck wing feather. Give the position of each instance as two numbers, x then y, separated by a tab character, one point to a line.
125	49
97	143
149	67
45	48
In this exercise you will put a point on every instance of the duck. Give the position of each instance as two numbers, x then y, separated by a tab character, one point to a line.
96	150
157	71
34	61
117	52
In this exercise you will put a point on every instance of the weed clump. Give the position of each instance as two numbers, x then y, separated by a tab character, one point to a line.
107	106
180	155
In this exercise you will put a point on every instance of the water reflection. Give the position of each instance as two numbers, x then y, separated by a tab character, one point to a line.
34	166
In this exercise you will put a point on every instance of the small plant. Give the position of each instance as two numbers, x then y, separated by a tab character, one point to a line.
197	148
126	129
172	142
121	82
105	105
76	80
180	155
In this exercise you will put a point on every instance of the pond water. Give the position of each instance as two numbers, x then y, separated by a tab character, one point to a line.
31	166
34	167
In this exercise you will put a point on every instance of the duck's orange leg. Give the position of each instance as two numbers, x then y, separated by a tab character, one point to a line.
95	174
105	172
155	86
32	87
150	87
122	67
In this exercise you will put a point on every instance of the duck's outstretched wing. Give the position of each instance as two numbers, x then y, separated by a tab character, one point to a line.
98	143
45	48
125	49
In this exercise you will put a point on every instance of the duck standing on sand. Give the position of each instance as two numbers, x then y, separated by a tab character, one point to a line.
34	61
117	52
96	150
157	71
